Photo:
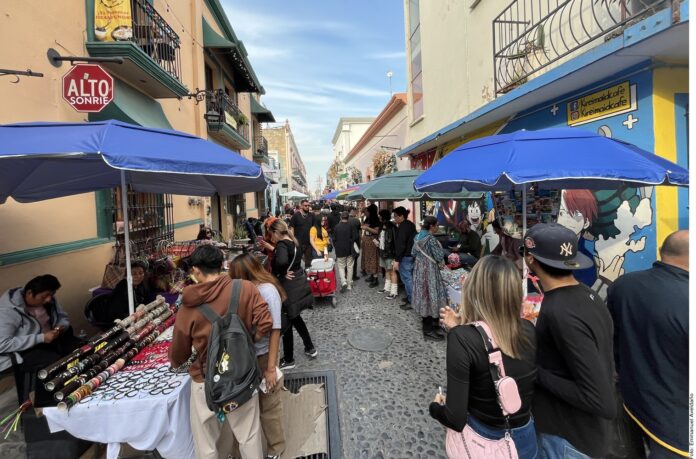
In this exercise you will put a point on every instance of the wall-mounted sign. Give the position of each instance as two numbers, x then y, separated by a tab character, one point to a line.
88	88
611	101
112	20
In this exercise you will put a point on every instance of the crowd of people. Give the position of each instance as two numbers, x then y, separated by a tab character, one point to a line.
587	368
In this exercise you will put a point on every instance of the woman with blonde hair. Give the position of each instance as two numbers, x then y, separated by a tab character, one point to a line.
247	267
492	294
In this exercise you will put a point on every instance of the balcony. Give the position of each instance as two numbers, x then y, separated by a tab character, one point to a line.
151	52
231	125
530	35
260	148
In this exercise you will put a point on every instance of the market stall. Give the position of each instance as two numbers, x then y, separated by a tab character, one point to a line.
544	162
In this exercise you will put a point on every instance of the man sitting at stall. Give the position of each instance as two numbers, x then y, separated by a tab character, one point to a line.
33	326
469	246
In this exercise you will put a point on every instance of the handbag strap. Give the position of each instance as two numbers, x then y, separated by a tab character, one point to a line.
420	249
495	361
293	259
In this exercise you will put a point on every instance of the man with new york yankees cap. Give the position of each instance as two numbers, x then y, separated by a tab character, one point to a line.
574	401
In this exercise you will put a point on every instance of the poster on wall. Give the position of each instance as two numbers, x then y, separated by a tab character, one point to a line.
113	20
542	207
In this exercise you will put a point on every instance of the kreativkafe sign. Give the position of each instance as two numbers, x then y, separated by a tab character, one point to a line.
611	101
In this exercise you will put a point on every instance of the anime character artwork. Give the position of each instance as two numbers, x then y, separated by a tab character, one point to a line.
608	224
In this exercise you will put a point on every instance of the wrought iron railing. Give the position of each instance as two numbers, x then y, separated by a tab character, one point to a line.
230	114
261	145
156	38
530	35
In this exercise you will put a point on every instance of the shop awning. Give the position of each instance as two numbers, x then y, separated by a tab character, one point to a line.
399	186
262	114
132	106
235	54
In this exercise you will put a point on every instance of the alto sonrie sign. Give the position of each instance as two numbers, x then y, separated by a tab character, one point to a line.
88	88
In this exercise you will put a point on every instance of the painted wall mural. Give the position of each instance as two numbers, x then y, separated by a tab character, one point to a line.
616	228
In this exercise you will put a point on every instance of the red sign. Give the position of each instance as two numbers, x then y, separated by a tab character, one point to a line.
88	88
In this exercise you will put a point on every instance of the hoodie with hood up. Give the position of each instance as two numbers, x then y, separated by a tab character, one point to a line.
193	329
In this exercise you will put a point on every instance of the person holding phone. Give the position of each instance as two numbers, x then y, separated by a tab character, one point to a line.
33	326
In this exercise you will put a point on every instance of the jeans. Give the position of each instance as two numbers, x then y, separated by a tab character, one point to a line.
406	273
524	437
553	447
289	338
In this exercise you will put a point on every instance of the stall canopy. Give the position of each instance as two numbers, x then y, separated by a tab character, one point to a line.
294	195
50	160
343	194
563	158
568	158
399	185
330	196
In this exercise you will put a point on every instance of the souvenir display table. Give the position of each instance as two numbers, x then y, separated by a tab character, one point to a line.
144	405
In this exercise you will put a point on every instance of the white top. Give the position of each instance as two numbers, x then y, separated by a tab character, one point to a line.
272	297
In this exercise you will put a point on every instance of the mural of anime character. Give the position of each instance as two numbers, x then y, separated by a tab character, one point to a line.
450	213
605	222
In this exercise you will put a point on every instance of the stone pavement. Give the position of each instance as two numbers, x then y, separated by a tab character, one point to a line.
383	396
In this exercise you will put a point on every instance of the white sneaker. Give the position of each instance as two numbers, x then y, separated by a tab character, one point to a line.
350	287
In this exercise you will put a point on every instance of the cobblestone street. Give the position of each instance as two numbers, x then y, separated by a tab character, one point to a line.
383	396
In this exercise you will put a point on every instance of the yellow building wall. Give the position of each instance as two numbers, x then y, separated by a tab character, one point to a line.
31	27
667	81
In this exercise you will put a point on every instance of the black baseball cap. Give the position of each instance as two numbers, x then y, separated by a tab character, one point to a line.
556	246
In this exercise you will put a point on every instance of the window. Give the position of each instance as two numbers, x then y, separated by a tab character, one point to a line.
150	218
415	59
209	78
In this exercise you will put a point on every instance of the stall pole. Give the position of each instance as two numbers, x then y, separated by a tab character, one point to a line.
126	231
524	231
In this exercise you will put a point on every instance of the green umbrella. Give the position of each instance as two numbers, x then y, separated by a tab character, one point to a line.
399	186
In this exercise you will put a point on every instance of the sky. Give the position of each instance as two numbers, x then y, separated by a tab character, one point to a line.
319	60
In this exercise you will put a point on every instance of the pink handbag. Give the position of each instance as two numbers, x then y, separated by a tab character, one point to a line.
470	445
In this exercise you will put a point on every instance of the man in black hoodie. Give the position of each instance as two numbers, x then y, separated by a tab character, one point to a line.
574	402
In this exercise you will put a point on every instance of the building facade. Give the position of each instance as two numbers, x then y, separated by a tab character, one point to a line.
283	149
385	136
170	49
349	131
624	75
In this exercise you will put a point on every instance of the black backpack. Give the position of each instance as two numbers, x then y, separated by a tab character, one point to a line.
232	374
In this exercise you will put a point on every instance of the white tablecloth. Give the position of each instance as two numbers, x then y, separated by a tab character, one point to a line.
146	408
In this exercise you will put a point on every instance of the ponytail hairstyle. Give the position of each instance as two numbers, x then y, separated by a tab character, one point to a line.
247	267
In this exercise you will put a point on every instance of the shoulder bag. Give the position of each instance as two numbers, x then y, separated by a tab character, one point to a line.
468	444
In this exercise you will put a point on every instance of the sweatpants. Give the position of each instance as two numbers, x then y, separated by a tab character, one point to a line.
206	429
345	270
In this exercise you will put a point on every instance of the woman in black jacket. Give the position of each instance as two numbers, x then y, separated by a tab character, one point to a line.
286	266
387	249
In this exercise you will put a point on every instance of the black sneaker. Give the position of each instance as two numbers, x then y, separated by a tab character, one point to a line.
433	336
405	306
286	364
344	288
311	352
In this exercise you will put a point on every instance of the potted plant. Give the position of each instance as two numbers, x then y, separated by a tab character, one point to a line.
239	234
242	119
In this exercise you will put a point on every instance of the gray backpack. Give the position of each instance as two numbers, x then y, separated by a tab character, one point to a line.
232	373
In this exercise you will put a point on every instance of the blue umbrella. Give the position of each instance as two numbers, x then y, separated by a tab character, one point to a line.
552	159
330	196
50	160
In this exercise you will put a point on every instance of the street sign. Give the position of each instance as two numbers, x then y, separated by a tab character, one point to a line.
88	88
